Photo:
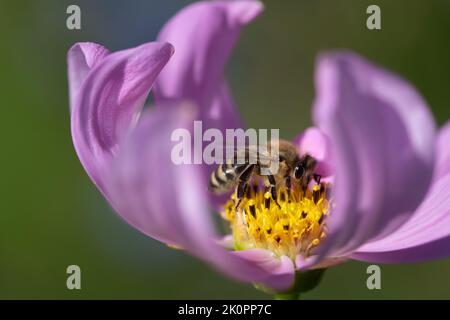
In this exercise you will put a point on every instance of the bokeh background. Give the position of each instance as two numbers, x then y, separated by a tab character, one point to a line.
51	214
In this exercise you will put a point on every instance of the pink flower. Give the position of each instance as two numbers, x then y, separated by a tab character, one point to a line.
374	138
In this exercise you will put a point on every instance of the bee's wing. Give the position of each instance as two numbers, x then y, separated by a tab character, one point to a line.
249	154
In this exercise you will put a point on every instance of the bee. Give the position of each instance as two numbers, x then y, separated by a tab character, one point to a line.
292	168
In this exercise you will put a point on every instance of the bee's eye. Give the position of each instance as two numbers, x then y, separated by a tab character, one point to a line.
298	172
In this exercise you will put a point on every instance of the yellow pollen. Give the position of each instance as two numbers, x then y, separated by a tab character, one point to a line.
295	227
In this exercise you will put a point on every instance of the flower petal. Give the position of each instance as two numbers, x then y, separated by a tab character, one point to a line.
204	35
426	236
81	58
312	263
443	152
145	180
108	102
169	202
279	273
382	135
313	142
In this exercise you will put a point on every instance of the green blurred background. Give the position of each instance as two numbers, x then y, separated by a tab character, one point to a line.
52	215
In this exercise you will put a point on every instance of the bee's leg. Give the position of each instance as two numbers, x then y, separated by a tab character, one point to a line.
305	182
273	189
287	182
242	186
240	192
317	177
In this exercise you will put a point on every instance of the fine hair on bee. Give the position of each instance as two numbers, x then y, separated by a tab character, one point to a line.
292	168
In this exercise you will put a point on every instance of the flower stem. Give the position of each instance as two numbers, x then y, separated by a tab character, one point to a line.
287	296
304	282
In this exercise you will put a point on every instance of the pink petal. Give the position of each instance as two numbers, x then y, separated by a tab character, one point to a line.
204	35
426	236
145	182
276	272
314	262
226	242
109	101
81	58
443	152
382	135
169	202
313	142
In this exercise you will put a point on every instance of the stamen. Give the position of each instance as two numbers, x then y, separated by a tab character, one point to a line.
252	209
322	188
248	193
316	193
267	197
321	218
255	188
295	227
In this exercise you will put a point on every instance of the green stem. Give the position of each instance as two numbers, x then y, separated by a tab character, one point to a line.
304	282
287	296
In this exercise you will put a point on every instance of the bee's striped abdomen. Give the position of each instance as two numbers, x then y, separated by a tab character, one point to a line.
225	176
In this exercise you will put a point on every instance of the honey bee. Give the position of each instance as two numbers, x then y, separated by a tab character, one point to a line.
293	168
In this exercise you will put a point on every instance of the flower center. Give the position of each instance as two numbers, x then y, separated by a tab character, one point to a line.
294	227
